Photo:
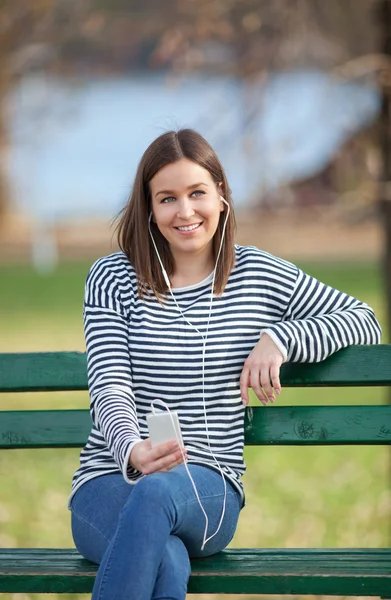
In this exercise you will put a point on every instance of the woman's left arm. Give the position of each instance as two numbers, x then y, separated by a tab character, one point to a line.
318	321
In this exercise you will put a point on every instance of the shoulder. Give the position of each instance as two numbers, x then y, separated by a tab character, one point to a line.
111	276
252	259
113	265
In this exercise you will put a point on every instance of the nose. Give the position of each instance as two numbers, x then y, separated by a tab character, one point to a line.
185	209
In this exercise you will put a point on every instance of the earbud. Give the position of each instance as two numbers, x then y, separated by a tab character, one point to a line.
224	200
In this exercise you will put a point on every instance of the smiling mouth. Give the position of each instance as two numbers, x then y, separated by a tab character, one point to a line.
189	227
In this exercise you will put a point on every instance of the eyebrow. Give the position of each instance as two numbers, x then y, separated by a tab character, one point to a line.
189	187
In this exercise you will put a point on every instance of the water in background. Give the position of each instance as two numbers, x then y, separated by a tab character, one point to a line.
75	144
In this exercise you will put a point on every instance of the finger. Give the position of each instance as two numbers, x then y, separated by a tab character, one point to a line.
182	456
164	449
171	466
178	462
244	384
256	386
162	464
275	377
265	383
176	459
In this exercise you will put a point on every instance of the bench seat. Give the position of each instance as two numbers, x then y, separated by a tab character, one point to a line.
365	572
345	572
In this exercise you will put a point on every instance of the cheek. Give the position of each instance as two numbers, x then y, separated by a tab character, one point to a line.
161	216
212	211
214	216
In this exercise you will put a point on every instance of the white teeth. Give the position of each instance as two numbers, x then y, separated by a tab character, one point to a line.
189	227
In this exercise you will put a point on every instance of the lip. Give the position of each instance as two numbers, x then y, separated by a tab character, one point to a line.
189	232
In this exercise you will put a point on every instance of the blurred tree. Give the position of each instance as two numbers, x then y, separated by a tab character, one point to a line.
247	38
385	132
21	24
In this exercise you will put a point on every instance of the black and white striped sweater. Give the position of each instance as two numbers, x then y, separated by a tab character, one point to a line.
138	351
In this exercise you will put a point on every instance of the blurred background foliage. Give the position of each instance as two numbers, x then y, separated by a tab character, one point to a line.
329	221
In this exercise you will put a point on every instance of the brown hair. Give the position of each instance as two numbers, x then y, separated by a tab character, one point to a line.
132	230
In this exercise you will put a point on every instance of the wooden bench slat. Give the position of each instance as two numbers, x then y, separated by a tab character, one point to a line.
267	571
277	425
44	428
244	571
53	371
318	425
43	371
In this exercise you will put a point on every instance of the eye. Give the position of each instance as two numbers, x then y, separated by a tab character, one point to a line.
167	200
198	193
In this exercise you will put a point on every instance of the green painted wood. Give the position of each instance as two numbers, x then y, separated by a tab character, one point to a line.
43	371
269	571
318	425
356	365
277	425
44	428
332	572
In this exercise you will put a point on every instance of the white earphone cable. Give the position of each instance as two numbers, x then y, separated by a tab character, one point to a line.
204	339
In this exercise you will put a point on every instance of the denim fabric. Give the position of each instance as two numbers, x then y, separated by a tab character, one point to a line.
142	535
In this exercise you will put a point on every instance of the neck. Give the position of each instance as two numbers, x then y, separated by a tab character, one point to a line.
190	270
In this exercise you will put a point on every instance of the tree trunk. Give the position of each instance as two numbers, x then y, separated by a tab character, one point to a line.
385	133
3	151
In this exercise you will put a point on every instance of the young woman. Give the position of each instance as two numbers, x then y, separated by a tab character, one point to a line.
184	315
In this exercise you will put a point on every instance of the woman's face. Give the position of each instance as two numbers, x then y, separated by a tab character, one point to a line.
186	207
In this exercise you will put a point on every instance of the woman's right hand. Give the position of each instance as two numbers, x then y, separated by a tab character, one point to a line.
161	458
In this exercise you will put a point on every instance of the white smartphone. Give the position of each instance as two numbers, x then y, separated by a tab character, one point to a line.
164	427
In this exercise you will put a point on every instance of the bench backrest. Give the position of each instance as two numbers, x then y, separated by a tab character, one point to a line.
283	425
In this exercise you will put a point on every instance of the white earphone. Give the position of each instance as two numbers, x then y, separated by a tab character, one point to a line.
225	202
204	339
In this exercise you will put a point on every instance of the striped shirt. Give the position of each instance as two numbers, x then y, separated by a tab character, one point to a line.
139	350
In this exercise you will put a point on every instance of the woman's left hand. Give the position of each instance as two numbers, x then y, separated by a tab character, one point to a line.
261	371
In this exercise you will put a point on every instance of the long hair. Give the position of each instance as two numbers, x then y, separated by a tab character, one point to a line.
132	229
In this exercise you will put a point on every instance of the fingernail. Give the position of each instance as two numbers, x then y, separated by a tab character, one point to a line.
278	392
174	444
271	398
244	401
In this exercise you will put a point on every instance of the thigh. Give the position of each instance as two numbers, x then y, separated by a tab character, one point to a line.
191	520
95	511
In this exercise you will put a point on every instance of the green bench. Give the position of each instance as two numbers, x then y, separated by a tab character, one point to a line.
345	572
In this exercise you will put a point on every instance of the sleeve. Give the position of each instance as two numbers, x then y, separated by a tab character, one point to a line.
113	409
320	320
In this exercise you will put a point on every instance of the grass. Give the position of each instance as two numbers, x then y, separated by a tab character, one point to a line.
330	497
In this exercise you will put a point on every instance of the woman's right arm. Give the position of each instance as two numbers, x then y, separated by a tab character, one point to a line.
106	330
113	407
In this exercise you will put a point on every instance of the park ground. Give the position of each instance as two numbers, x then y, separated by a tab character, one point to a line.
312	497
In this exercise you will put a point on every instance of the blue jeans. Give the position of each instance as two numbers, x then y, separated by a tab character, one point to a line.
143	535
